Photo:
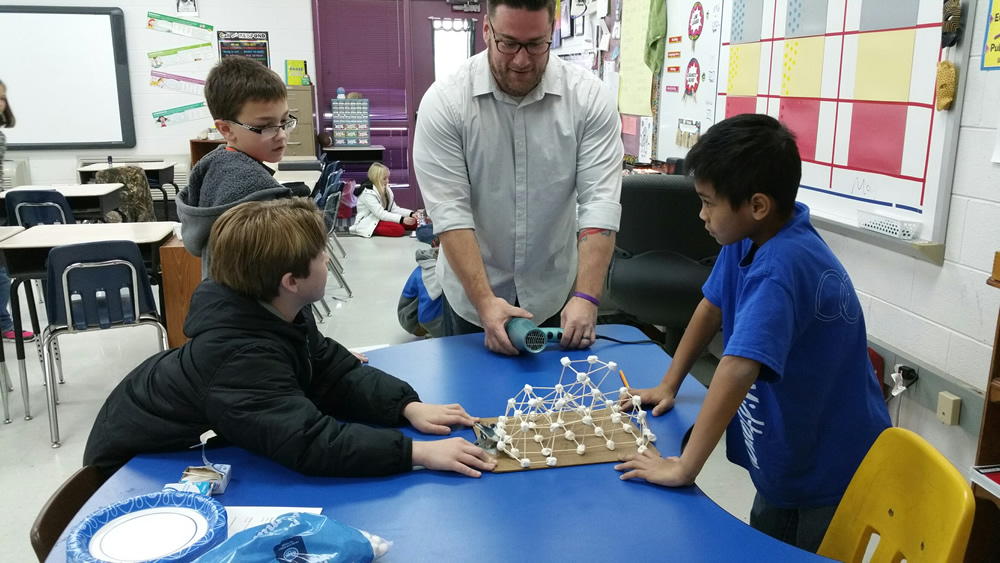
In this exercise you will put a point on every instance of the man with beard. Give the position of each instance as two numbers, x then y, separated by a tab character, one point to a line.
518	156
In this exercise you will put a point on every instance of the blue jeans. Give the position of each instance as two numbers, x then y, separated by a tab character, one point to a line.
803	527
6	321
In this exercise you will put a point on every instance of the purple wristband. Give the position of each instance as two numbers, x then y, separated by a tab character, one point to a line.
590	298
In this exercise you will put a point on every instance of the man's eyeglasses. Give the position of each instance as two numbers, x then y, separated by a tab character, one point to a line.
270	131
514	47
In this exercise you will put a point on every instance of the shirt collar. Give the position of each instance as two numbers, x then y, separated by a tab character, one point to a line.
484	83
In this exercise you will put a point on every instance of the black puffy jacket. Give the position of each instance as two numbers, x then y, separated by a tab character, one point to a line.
261	383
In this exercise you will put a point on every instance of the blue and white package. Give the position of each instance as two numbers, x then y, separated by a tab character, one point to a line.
298	537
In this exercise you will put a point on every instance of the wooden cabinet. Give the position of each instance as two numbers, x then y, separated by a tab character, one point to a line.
984	544
301	104
181	273
201	147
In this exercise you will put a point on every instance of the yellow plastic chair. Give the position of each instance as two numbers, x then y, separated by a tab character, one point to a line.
911	496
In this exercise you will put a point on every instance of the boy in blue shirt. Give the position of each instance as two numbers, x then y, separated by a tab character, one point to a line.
795	390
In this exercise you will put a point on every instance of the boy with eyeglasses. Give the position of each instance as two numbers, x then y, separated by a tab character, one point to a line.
249	103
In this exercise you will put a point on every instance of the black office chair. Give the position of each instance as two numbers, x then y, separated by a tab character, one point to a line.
663	253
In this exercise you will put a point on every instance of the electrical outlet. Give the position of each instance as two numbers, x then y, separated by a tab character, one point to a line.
948	408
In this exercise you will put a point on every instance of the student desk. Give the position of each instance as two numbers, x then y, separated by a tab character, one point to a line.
582	513
5	233
87	201
26	254
307	177
158	174
361	153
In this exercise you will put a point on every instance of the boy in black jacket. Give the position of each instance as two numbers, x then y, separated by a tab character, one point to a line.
259	373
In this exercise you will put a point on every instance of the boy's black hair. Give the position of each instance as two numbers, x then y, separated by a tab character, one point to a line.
530	5
7	117
748	154
235	81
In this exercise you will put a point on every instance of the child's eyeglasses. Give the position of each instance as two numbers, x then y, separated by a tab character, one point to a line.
270	131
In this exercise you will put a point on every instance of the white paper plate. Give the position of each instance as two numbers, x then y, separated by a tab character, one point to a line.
166	526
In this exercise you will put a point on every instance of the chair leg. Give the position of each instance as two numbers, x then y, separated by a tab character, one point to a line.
336	240
334	263
58	356
342	281
4	382
326	307
317	315
53	349
50	394
38	350
6	379
41	294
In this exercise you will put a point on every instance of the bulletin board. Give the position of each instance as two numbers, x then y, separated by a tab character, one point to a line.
855	80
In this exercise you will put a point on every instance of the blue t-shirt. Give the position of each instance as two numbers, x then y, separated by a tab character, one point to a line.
816	407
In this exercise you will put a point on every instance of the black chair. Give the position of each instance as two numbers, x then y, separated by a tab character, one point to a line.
28	208
663	253
61	507
93	286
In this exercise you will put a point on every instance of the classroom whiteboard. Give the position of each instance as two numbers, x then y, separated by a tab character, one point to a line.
855	80
66	73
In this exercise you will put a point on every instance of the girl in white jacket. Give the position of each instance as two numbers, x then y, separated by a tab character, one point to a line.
378	213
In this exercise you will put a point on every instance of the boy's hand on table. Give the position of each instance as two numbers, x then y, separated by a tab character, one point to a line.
361	357
436	419
660	397
669	472
454	454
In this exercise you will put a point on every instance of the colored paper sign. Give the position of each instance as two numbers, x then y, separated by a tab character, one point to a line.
991	43
181	114
630	125
673	89
696	21
692	78
177	83
645	140
673	69
181	55
178	26
673	54
675	39
295	69
636	83
250	44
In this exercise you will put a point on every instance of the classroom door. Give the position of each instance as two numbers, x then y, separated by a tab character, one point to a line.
422	46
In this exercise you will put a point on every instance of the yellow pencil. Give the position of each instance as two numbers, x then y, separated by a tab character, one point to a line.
625	381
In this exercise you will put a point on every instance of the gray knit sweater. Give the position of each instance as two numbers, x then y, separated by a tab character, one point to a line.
220	180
